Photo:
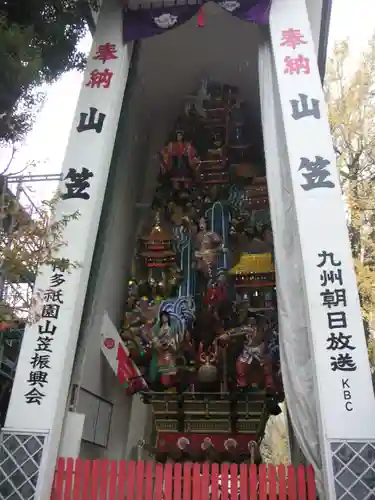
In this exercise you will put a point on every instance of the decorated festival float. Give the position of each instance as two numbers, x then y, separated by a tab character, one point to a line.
216	278
201	315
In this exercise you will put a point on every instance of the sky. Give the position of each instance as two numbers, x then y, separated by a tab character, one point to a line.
47	141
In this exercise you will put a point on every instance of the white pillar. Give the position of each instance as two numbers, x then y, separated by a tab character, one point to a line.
346	403
33	429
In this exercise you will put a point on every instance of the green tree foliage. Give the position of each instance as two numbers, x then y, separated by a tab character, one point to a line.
38	42
350	93
28	239
27	242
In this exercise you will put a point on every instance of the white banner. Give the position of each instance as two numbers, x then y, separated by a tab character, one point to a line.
118	357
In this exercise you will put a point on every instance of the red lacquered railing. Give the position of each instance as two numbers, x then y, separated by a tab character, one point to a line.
119	480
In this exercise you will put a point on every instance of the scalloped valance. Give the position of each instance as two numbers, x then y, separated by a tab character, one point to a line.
145	22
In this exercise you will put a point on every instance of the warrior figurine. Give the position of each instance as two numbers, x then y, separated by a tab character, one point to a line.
209	246
179	162
253	364
165	340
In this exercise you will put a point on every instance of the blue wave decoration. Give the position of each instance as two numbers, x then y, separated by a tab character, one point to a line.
181	309
236	197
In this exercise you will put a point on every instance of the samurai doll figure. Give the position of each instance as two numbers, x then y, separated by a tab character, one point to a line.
209	245
179	162
254	365
166	344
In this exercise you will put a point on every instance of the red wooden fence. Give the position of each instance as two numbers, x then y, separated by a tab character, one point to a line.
119	480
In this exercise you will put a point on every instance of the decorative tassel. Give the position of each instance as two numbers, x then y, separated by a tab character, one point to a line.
200	18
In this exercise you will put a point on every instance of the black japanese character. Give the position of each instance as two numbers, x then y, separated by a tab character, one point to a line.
34	397
87	121
331	277
53	296
325	256
57	279
60	265
44	344
334	298
300	108
343	363
38	378
316	173
50	311
40	361
336	320
339	341
48	328
78	184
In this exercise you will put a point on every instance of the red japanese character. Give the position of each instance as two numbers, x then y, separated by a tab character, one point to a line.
296	65
106	52
292	38
100	79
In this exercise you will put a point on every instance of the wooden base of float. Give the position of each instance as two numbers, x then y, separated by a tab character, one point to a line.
214	448
209	426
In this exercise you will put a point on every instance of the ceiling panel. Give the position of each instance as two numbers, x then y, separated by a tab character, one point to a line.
172	65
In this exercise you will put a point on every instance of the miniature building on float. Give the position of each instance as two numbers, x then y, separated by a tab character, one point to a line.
201	162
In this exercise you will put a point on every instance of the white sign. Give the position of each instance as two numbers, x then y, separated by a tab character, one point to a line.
48	348
41	385
343	376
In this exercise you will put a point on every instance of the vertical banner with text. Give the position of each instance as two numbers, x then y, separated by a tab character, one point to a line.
41	385
343	380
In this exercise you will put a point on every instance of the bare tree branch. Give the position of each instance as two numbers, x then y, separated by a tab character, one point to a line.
14	150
